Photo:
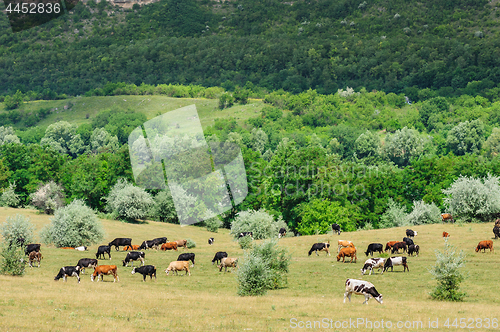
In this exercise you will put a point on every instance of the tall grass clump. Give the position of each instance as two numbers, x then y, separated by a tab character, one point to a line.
265	267
13	261
447	273
72	226
245	242
213	224
190	243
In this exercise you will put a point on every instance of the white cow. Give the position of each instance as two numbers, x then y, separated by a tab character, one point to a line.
361	287
373	263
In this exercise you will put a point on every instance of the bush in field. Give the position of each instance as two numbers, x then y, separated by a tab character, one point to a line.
48	197
213	224
72	226
245	242
8	135
9	196
318	216
261	223
13	260
423	213
470	198
190	243
264	267
394	216
17	227
446	272
128	201
163	207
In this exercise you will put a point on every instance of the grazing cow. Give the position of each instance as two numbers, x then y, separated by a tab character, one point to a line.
68	271
282	232
218	257
343	244
488	244
149	244
211	241
395	261
372	247
178	266
81	248
361	287
103	250
188	256
104	270
120	241
161	240
227	262
410	233
373	263
87	263
147	270
347	252
413	249
242	234
320	247
389	245
32	247
181	243
169	246
336	229
496	231
397	246
408	241
445	234
132	247
447	216
35	256
134	256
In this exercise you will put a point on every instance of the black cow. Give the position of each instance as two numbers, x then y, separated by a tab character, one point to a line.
149	244
320	247
68	271
496	231
134	256
397	246
410	233
32	247
161	240
282	232
120	241
147	270
187	257
211	241
413	249
19	242
372	247
87	263
336	229
103	250
218	257
242	234
395	261
408	241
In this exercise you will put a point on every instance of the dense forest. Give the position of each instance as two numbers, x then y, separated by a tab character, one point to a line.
449	47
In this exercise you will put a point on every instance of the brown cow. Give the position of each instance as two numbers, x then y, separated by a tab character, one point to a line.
344	244
445	234
488	244
103	270
397	246
169	246
178	266
389	245
35	256
134	247
347	252
182	243
67	248
447	216
227	262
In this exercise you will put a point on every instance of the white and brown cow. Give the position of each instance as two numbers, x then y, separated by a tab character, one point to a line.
361	287
344	244
373	263
396	261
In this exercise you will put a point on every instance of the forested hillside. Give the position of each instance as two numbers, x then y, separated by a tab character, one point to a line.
450	47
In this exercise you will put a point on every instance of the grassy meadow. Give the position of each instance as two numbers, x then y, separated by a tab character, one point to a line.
208	301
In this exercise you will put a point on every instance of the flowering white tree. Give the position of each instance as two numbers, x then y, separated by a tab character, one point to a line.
48	197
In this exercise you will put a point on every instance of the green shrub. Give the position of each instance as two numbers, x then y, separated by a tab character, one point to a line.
245	242
190	243
163	207
48	197
394	216
128	202
261	223
17	227
423	213
446	272
213	224
9	196
13	260
72	226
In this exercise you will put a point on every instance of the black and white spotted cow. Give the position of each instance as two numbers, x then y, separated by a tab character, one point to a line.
413	249
320	247
146	270
373	263
211	241
242	234
282	232
361	287
411	233
87	263
396	261
336	229
134	256
149	244
68	271
408	241
372	247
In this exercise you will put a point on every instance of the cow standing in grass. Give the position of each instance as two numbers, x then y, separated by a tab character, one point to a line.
372	247
87	263
146	270
361	287
320	247
483	245
336	229
120	241
68	271
373	263
396	261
